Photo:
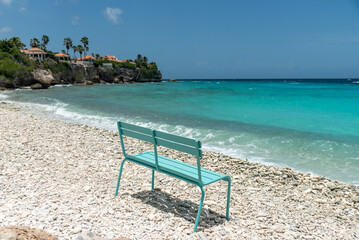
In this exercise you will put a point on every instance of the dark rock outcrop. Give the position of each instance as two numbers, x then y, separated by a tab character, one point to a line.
37	77
44	77
79	74
106	74
36	86
126	75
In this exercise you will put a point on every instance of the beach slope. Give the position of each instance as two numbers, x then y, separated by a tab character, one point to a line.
61	177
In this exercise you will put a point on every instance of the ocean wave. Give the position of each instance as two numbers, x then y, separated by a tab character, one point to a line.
58	110
3	96
283	149
61	85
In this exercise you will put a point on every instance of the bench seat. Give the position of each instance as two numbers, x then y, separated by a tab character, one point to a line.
178	168
193	174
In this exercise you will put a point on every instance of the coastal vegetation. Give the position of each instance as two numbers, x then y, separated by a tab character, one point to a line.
18	65
13	64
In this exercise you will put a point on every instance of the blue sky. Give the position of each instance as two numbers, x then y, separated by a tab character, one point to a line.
202	39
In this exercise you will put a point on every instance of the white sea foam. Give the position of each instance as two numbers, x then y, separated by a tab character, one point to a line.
3	96
61	85
59	111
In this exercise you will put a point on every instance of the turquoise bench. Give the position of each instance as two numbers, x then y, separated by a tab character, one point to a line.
175	168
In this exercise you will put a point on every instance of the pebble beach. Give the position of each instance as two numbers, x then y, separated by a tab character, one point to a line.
61	177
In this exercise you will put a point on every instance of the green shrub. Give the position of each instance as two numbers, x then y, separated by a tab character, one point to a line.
11	70
98	63
6	45
4	55
52	56
79	76
116	65
4	82
56	67
148	73
127	64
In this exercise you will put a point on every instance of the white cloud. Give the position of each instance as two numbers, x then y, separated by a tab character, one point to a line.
5	30
113	14
7	2
75	20
22	9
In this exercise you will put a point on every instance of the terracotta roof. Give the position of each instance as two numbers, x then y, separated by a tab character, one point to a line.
33	51
85	58
111	58
61	55
126	61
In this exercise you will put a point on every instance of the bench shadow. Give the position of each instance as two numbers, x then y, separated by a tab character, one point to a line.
182	208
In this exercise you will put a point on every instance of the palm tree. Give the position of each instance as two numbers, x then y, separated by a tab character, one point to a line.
145	59
63	51
139	58
16	41
45	40
67	44
75	50
80	49
34	43
98	56
85	42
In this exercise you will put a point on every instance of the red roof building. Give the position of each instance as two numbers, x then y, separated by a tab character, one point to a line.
62	56
86	58
111	58
35	52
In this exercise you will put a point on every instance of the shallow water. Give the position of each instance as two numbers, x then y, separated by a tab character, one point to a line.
311	127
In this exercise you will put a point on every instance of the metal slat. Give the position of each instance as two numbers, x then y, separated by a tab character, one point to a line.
176	146
175	138
136	128
137	135
180	168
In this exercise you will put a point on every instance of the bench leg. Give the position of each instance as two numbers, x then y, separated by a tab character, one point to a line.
228	197
199	210
153	179
119	176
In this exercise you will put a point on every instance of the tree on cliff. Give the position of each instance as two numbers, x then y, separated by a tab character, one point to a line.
16	41
139	58
80	49
34	43
75	50
85	42
45	40
67	44
6	45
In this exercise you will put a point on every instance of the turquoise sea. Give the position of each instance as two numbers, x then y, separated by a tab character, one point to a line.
308	126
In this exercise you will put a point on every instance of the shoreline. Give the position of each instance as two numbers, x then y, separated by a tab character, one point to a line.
73	169
47	111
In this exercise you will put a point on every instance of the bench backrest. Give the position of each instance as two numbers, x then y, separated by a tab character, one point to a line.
158	138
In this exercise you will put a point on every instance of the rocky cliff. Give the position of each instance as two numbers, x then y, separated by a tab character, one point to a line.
82	74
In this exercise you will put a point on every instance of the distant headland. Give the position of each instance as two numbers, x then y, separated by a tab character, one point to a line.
39	68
